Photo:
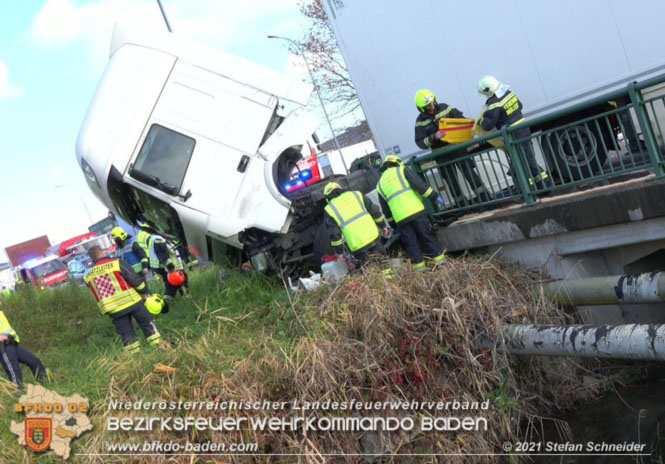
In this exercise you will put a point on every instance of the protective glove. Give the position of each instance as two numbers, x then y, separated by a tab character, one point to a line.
386	232
440	201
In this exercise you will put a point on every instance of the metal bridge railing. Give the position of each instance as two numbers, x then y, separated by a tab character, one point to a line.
614	140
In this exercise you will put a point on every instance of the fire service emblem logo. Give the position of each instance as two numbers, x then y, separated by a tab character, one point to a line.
38	433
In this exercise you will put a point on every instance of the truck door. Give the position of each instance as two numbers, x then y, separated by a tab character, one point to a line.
204	131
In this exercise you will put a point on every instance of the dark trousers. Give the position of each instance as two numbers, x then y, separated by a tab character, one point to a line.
169	290
627	126
374	250
526	150
415	233
468	169
123	324
12	355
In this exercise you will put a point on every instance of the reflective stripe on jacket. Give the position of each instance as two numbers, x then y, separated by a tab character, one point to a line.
396	190
504	111
110	289
356	223
147	243
6	328
143	239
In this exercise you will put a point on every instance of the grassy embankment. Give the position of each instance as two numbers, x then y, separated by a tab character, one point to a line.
408	338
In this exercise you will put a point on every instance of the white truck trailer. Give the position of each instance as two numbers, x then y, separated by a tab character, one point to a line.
552	54
190	141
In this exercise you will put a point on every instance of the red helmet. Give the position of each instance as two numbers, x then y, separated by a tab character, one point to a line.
177	278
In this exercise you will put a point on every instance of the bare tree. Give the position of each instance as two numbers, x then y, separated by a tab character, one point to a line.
320	45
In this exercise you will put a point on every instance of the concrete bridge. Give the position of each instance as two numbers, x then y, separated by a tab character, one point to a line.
602	231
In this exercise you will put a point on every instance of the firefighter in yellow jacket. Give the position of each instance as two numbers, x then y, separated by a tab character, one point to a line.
399	190
119	292
11	354
350	216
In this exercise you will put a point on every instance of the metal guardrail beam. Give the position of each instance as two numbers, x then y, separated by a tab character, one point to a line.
619	289
630	341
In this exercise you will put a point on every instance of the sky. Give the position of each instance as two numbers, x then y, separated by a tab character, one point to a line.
52	54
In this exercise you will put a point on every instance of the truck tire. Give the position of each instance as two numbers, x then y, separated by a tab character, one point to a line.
321	245
574	153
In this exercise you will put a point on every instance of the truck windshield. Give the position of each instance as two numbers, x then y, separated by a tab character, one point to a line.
47	268
135	205
164	158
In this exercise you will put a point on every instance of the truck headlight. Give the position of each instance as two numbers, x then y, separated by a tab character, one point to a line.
89	173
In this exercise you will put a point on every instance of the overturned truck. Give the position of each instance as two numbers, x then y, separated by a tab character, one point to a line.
191	141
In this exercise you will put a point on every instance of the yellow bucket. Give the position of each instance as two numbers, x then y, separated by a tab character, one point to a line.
458	130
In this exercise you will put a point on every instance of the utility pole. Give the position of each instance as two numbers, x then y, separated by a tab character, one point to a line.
166	20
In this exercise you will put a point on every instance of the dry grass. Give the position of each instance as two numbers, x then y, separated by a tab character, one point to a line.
410	338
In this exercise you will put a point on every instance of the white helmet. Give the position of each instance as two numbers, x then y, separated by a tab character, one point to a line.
488	85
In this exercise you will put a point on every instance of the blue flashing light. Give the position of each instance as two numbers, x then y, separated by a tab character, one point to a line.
306	174
299	182
287	187
30	262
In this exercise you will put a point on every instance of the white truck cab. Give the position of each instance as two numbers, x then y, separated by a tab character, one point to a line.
189	140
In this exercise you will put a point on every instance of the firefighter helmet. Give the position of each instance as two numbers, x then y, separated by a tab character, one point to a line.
423	98
392	159
154	304
177	278
330	188
119	233
488	85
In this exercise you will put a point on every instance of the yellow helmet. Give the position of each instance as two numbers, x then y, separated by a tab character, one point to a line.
423	98
330	188
119	232
154	304
392	159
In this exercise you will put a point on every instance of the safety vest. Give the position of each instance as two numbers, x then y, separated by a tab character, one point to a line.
174	258
112	292
6	328
147	243
357	225
402	200
128	255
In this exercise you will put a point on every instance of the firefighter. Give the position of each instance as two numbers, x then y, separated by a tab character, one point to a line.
428	135
398	190
503	108
12	354
188	259
125	249
159	256
142	246
119	292
352	217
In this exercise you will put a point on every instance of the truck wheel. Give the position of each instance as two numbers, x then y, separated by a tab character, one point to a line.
321	246
574	153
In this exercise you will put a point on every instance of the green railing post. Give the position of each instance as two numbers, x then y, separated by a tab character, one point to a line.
647	130
517	167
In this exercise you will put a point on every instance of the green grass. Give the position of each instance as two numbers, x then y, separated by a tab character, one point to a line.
248	317
408	338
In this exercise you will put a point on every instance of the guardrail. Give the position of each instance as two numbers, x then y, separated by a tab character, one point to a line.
612	141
